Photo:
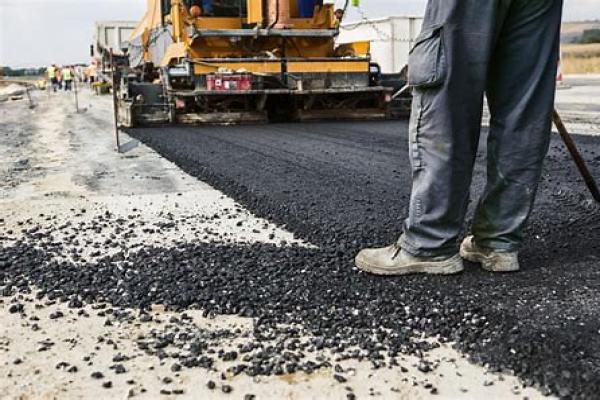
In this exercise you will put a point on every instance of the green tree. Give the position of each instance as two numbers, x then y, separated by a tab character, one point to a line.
589	36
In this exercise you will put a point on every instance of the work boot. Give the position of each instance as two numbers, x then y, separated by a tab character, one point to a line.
490	259
392	260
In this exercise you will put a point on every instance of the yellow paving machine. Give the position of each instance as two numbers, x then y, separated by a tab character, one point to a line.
243	61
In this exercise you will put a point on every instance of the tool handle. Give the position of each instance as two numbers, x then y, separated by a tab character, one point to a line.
579	161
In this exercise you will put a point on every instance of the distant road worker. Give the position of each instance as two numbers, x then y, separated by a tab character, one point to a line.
51	71
507	51
59	79
92	72
67	75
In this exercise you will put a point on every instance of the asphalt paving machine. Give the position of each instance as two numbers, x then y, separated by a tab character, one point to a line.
246	61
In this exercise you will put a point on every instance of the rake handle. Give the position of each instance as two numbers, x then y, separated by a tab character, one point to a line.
579	161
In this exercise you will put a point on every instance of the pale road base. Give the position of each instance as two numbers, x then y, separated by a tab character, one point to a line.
67	168
76	337
577	102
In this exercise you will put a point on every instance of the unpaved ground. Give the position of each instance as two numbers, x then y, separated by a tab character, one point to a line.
38	363
65	190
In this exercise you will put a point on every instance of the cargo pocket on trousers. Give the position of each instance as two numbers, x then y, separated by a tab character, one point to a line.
427	64
413	134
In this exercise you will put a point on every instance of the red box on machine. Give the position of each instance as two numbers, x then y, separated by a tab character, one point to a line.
221	81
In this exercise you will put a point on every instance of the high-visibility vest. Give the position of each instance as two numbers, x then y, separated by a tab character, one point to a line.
51	72
66	74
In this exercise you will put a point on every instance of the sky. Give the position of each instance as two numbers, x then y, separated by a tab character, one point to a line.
40	32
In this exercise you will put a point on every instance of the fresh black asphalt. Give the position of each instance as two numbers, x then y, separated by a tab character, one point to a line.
343	186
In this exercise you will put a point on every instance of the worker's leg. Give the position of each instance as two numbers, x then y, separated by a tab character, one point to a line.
449	70
520	93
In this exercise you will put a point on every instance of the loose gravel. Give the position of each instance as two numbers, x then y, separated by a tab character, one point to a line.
340	187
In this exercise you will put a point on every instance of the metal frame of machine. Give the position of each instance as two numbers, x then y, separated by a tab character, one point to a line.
263	63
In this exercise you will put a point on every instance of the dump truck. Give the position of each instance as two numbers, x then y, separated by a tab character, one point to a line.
111	35
240	61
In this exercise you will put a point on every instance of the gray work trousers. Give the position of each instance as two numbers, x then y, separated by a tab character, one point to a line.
507	50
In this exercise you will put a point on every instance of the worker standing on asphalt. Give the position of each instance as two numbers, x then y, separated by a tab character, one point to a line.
67	76
506	49
51	71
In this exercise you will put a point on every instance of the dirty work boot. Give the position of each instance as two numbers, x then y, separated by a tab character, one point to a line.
491	260
392	260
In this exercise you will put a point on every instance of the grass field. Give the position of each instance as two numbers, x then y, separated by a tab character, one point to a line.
580	58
